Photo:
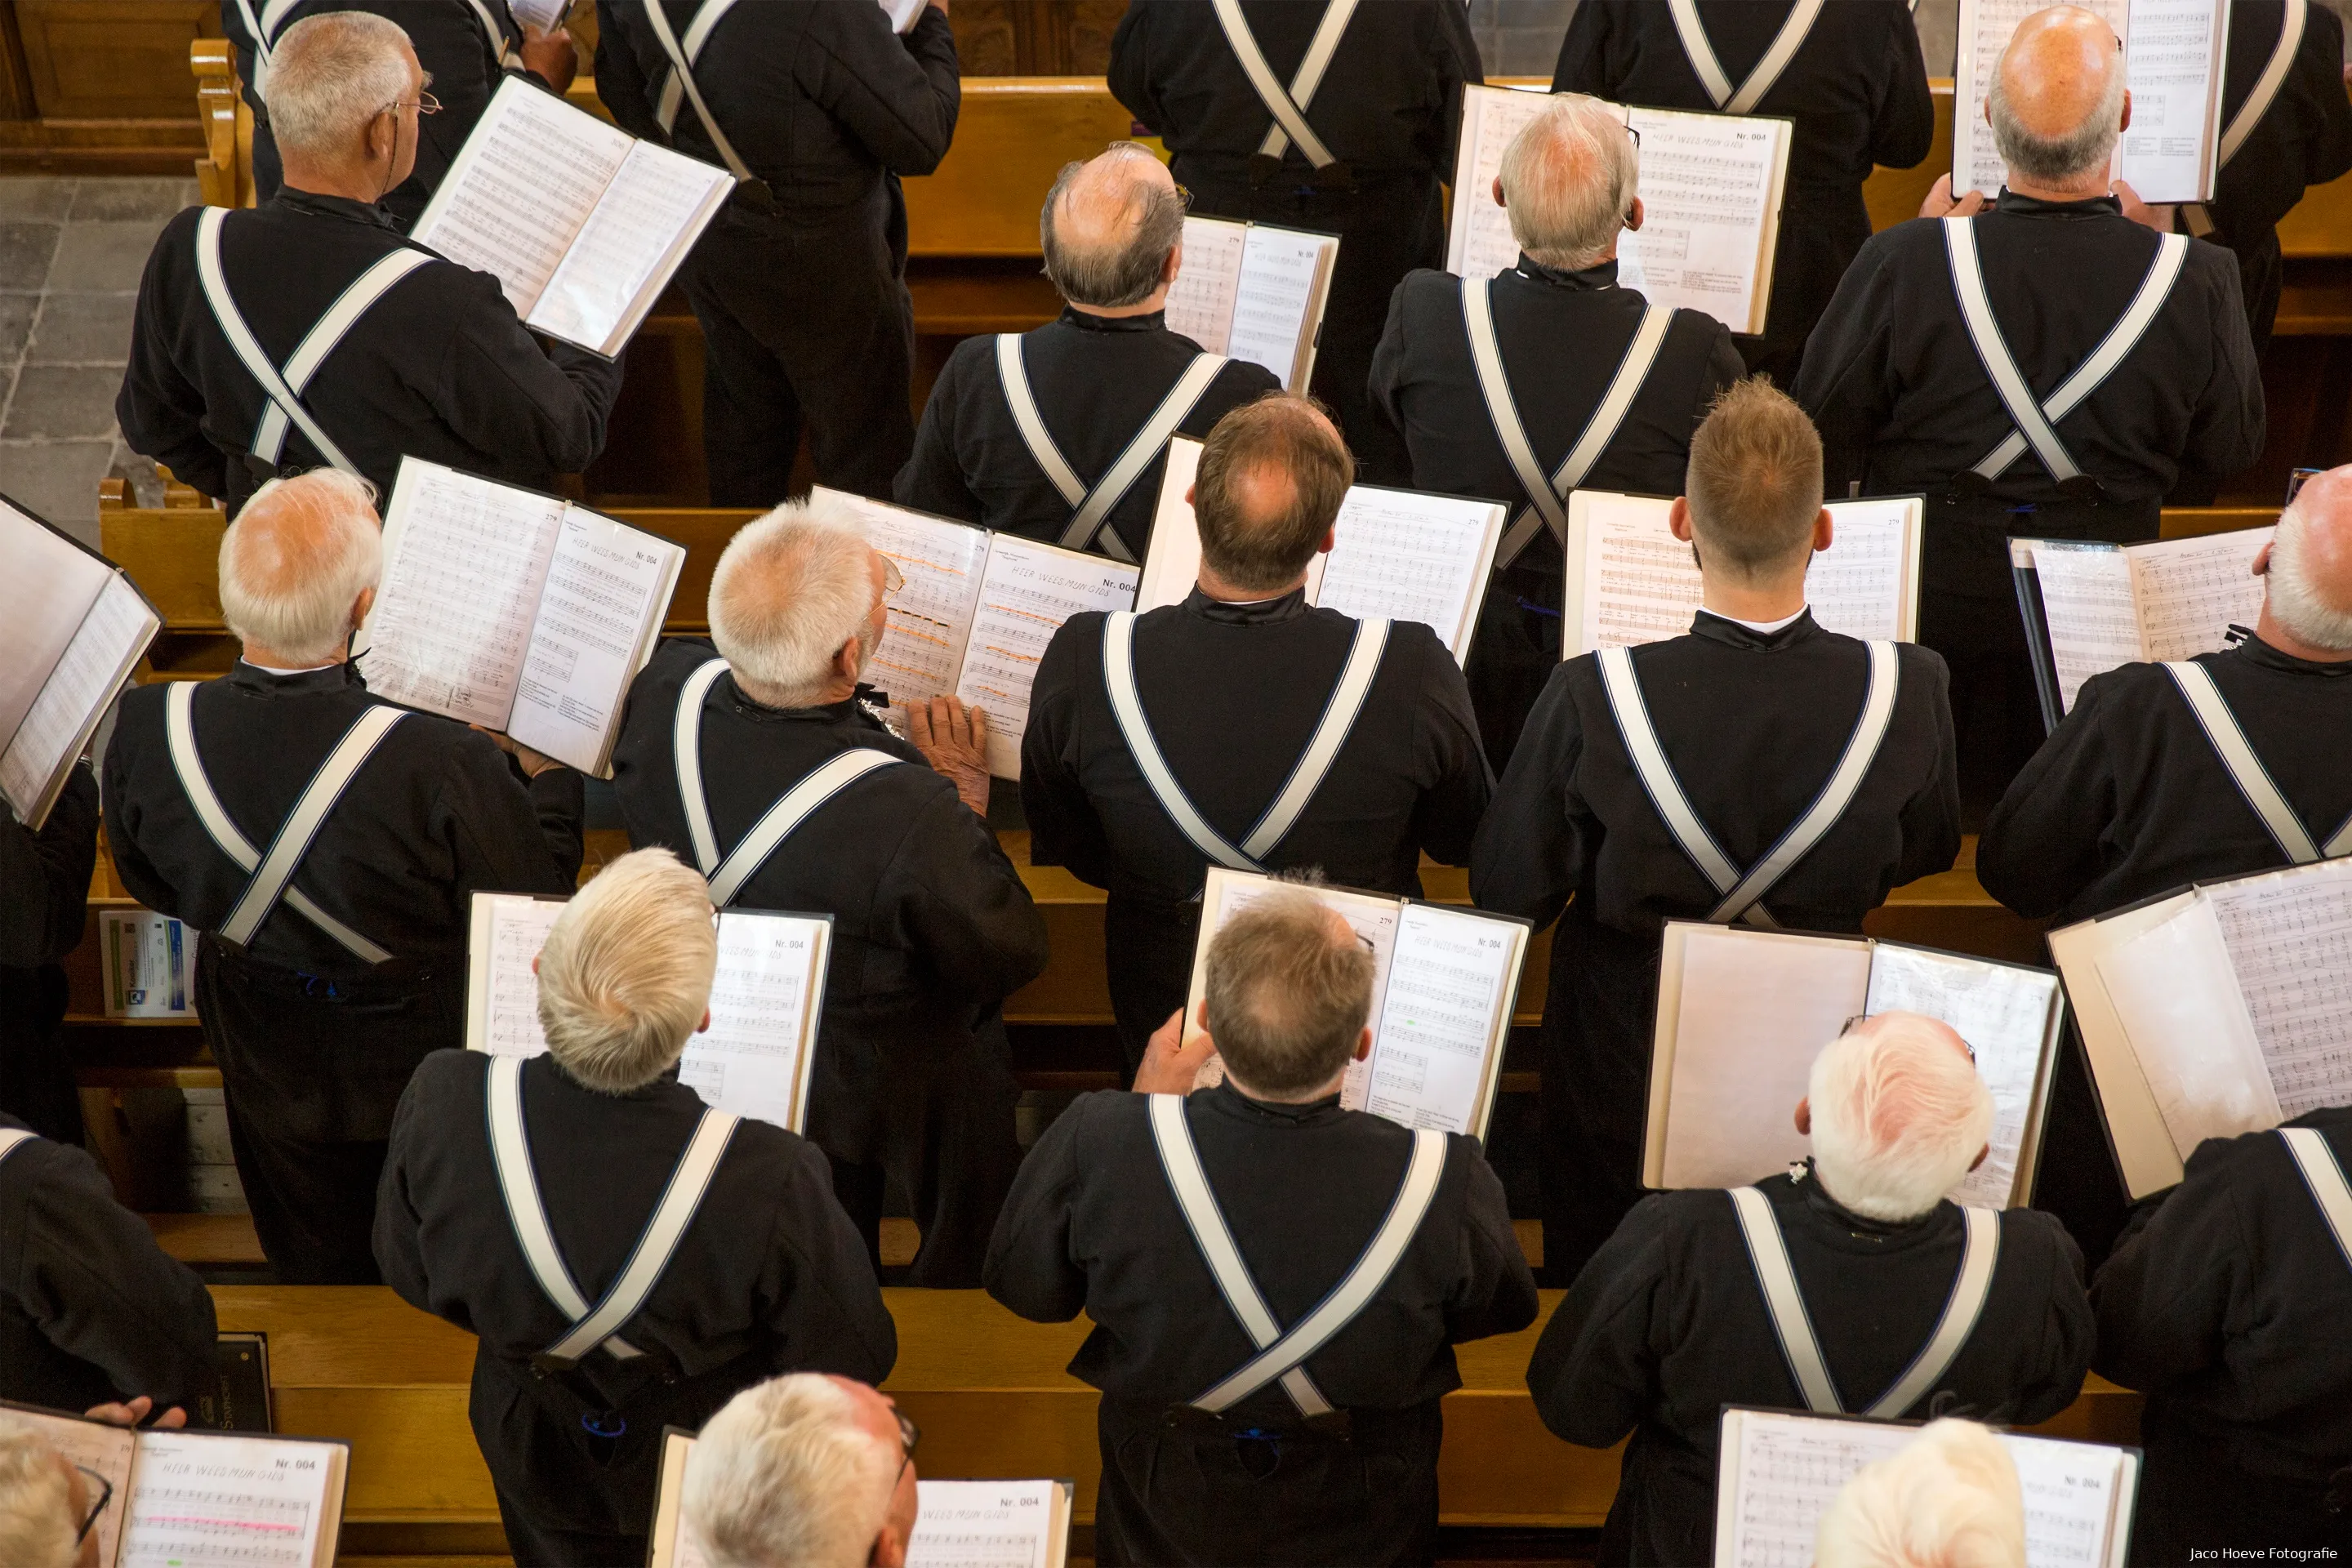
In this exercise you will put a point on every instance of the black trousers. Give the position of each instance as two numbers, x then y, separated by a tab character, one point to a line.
36	1078
1597	1024
1517	648
313	1200
2077	1180
544	1546
806	323
2193	1499
1148	951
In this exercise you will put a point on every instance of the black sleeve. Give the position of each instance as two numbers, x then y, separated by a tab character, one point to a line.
2319	66
1446	735
1496	1291
1131	67
1931	817
465	72
161	411
2167	1296
1064	829
619	81
900	99
399	1231
1595	1369
1845	381
1387	378
1583	63
2039	848
2226	428
542	411
1455	52
1530	850
45	876
934	479
2067	1329
823	1304
956	900
138	874
1030	1268
504	837
1903	131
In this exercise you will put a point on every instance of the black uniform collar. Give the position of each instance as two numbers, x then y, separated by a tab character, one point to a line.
1861	1228
2011	202
334	678
1231	1101
2257	652
1087	321
1265	611
850	711
661	1088
1603	275
1732	634
344	207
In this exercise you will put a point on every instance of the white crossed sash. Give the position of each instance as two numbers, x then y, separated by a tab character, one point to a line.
13	1139
1289	106
2325	1177
2246	770
2266	86
681	78
264	28
1784	47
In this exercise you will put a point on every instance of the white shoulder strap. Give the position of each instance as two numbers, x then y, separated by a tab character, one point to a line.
490	29
12	1139
246	346
706	16
682	76
2266	86
2325	1177
685	749
798	804
344	314
1289	106
1658	780
2246	770
1014	376
1150	440
519	1185
1971	1288
1784	47
1783	1302
264	28
318	799
1331	732
1134	729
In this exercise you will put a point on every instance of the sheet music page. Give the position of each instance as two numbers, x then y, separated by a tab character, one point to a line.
545	14
1271	297
751	1061
2171	150
525	183
1857	586
109	1451
931	617
1201	300
2086	601
602	597
1026	591
204	1499
1756	1009
2073	1496
639	224
1710	199
2289	936
2178	997
1410	557
2191	591
46	587
1639	584
464	562
80	684
1449	975
983	1525
2003	1013
1172	564
1479	242
509	1009
1985	30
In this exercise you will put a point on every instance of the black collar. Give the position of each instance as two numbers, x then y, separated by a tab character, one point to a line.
334	678
1862	1227
1603	275
1265	611
1732	633
850	711
1085	320
2011	202
1233	1101
344	207
2260	654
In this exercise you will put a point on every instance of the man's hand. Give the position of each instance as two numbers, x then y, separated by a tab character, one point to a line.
954	740
132	1413
533	763
1168	1068
1939	202
550	57
2157	217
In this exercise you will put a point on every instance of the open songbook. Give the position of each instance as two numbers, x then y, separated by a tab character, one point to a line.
1000	1524
1252	291
579	221
1778	1472
2222	1009
1742	1013
72	628
766	1000
1630	581
2089	606
1711	187
513	610
1446	981
203	1497
977	612
1401	554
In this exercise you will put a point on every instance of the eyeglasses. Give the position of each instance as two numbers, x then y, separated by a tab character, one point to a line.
1636	135
908	1435
423	104
1184	198
892	578
105	1496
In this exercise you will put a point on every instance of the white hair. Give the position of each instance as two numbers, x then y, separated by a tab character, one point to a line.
1899	1114
2297	600
785	1477
2083	148
37	1510
791	589
329	76
625	974
1570	177
1950	1498
297	559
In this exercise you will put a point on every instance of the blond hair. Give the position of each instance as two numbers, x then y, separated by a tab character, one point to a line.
1949	1499
784	1475
790	589
1754	481
625	974
1570	177
297	559
1287	996
36	1511
1899	1115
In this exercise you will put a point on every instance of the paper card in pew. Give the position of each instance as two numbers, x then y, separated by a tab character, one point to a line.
581	223
1630	581
147	963
977	612
1443	984
1000	1524
2220	1009
766	1001
1399	554
1742	1013
1253	291
1777	1473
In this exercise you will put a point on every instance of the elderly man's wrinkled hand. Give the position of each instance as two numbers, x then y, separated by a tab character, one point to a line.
954	740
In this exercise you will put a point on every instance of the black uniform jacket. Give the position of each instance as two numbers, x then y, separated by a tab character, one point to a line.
90	1309
819	98
770	1278
1096	379
2225	1305
44	891
1562	335
1857	91
933	927
439	369
2127	798
1667	1325
1094	1226
1893	379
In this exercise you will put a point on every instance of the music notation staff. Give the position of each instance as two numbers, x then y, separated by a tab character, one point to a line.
530	177
2191	592
2290	947
596	605
1272	295
211	1501
753	1057
1405	557
1201	303
652	196
76	686
2092	618
930	616
1437	1018
519	928
1026	593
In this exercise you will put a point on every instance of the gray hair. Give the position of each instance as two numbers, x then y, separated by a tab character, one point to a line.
1286	1000
2083	148
2296	598
1899	1115
792	588
625	973
329	76
785	1475
37	1513
1105	271
1948	1498
1569	178
297	559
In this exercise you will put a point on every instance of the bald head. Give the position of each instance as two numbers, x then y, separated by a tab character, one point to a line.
2308	610
1286	993
1112	229
796	603
1568	180
2058	103
299	568
1273	474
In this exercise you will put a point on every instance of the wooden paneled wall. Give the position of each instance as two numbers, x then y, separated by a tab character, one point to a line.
99	87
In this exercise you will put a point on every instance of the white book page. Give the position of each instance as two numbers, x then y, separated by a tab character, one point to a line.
1862	586
1639	584
545	14
2075	1497
984	1524
754	1060
2087	605
1985	30
502	991
521	190
1711	201
1201	300
1276	316
2191	591
1412	557
1026	591
1756	1008
601	602
80	685
1478	242
1449	979
2003	1013
903	14
208	1499
464	560
2171	149
2174	991
1171	565
931	617
2289	936
108	1451
640	230
47	585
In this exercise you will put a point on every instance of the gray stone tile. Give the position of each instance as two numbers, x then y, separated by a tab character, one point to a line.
58	480
80	329
36	197
15	324
63	404
99	200
146	478
1553	14
104	257
26	250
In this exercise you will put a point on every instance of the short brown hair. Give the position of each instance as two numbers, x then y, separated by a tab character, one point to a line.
1287	439
1286	1002
1754	483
